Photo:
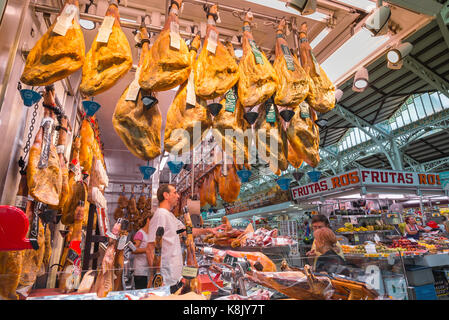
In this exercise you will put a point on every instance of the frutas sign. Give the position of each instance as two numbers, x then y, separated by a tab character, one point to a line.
365	177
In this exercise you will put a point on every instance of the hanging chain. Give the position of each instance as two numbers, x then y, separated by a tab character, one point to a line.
26	149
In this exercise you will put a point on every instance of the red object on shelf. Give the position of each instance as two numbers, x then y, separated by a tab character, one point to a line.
13	229
204	283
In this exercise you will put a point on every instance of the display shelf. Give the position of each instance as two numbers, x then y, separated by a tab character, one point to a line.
363	232
360	216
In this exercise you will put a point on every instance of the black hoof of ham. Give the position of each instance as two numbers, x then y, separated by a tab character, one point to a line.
251	117
63	233
287	114
214	108
149	101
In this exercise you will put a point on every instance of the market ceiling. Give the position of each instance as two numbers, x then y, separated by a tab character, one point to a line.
387	90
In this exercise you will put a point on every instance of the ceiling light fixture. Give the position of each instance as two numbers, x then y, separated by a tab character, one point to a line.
338	95
396	54
89	8
360	80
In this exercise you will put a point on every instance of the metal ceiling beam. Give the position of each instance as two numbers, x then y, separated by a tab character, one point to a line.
429	7
427	75
441	18
432	165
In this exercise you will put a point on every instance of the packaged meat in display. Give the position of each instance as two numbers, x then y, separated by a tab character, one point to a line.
293	84
110	56
228	183
216	71
321	95
138	123
302	285
258	79
303	134
187	114
261	294
270	133
60	52
44	176
252	257
167	64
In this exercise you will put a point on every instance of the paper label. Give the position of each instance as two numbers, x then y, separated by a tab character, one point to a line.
105	29
212	42
191	96
189	272
72	255
317	66
175	39
208	250
21	202
288	57
122	242
304	110
256	52
376	238
370	248
356	237
354	220
64	21
271	114
231	100
133	91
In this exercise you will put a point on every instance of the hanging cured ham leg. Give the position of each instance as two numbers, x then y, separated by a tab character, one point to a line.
77	188
190	284
321	95
184	117
155	279
229	184
293	84
137	123
44	175
110	57
167	65
303	135
231	130
59	53
216	71
271	139
258	79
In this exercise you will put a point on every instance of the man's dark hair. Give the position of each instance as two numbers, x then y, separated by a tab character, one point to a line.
320	218
160	191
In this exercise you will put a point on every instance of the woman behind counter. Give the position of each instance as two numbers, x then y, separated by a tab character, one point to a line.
412	229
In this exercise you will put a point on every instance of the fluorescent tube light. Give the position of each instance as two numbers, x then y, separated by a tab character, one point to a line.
351	53
366	5
279	5
320	37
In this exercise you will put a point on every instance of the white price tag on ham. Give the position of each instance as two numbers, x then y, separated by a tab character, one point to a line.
134	87
105	29
64	21
212	42
175	39
191	96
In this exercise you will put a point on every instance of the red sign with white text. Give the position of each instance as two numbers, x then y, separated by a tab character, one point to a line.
366	177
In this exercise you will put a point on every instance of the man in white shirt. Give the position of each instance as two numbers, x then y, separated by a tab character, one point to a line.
171	255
